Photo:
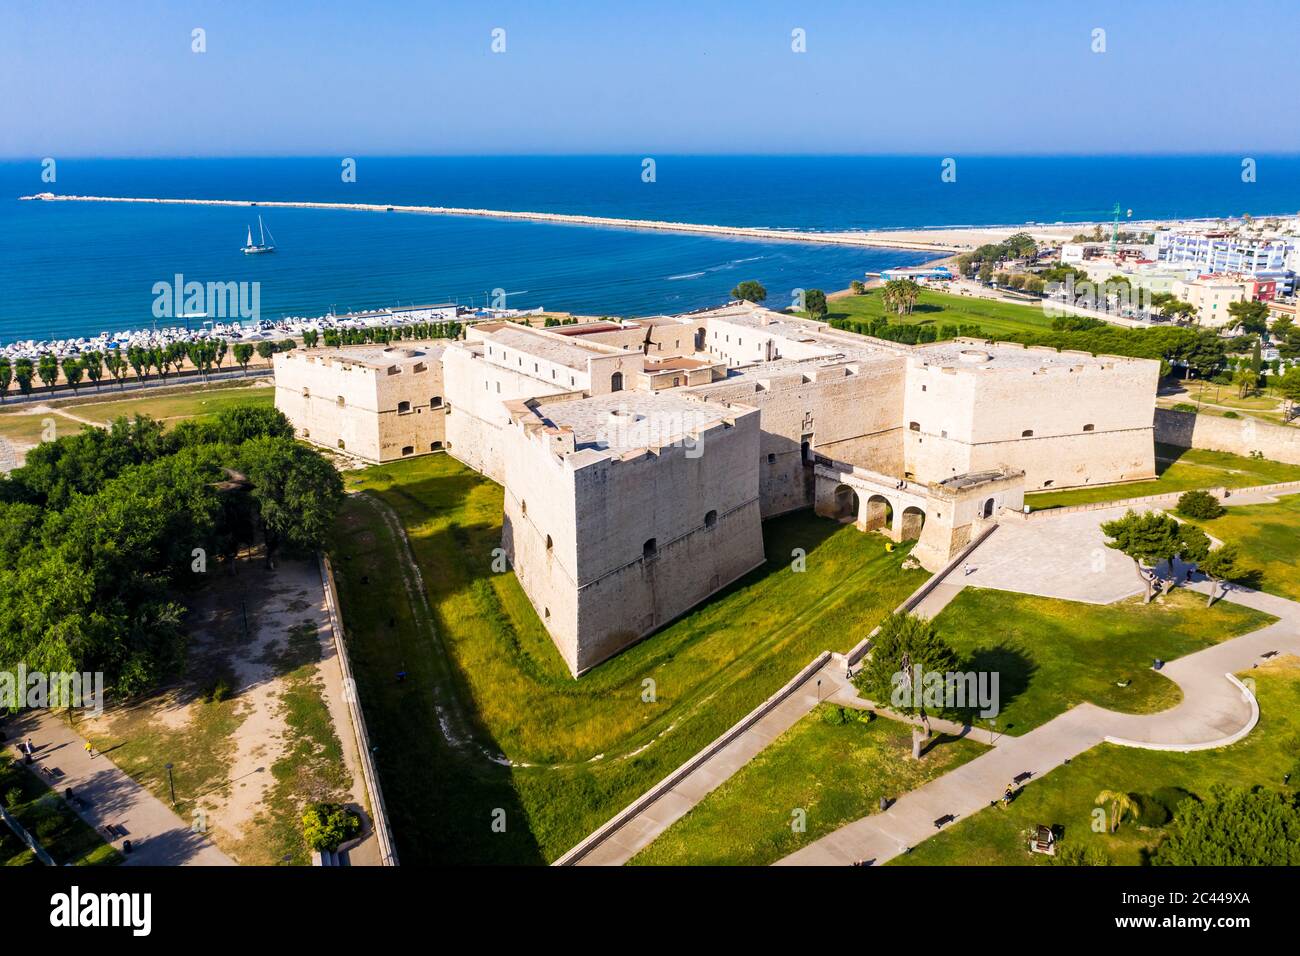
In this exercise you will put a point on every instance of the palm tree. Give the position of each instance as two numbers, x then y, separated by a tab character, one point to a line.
1120	804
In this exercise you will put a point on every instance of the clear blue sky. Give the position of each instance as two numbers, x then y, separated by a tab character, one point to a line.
368	77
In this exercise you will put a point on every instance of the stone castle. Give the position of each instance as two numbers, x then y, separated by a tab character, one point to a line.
639	458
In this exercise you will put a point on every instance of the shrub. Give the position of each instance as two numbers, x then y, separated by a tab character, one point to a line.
1185	407
1231	415
325	826
219	691
1172	797
13	797
835	716
1151	812
865	716
1199	504
1072	854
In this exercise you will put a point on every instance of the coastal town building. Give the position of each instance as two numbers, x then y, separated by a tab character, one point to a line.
1211	295
639	458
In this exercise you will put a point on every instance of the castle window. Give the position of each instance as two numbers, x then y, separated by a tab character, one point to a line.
1089	427
403	407
435	446
1047	483
435	402
408	449
341	403
1027	433
710	519
498	388
523	507
306	393
341	445
771	459
546	613
676	382
914	426
650	548
549	543
616	382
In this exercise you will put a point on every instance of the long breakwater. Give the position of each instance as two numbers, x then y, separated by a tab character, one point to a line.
743	232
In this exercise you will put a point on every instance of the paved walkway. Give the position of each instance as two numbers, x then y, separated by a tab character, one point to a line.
1215	711
827	684
113	800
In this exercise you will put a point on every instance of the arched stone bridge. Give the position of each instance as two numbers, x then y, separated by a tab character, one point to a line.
871	501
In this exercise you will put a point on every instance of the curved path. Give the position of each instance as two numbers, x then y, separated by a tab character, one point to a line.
1217	710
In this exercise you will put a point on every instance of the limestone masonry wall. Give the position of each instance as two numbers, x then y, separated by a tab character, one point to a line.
1240	436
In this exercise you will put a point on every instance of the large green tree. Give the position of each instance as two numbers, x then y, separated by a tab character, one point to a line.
1233	827
1148	538
904	650
750	291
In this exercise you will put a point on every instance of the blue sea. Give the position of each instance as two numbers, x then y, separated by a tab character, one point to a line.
71	269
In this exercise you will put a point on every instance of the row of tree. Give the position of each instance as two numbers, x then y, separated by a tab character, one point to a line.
103	534
384	334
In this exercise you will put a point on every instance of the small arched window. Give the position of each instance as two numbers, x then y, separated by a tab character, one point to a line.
1089	427
650	548
616	382
914	426
408	449
771	459
435	402
549	543
1027	433
403	407
710	519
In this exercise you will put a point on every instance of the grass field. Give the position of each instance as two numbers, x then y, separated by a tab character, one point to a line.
172	407
1178	469
1269	538
1066	796
940	308
63	834
1052	654
833	773
580	750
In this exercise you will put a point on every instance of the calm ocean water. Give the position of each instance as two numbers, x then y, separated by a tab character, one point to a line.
78	269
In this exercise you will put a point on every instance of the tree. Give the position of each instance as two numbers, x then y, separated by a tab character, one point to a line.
750	291
1246	379
1250	316
6	377
326	826
72	372
93	362
1289	386
857	286
1148	538
138	358
1220	566
296	493
243	352
265	349
1120	804
1234	827
1199	504
116	366
47	367
900	295
23	372
906	645
309	338
1193	546
815	302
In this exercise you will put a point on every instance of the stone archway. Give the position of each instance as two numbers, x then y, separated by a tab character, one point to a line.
844	505
880	514
987	510
911	523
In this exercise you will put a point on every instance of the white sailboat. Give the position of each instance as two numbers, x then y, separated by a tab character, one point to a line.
250	249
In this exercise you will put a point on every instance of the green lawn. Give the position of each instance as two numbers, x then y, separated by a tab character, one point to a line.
1269	538
199	402
1178	469
833	773
1052	654
939	308
1066	796
581	749
63	834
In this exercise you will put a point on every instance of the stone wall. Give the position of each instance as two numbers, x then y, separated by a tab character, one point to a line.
1240	436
